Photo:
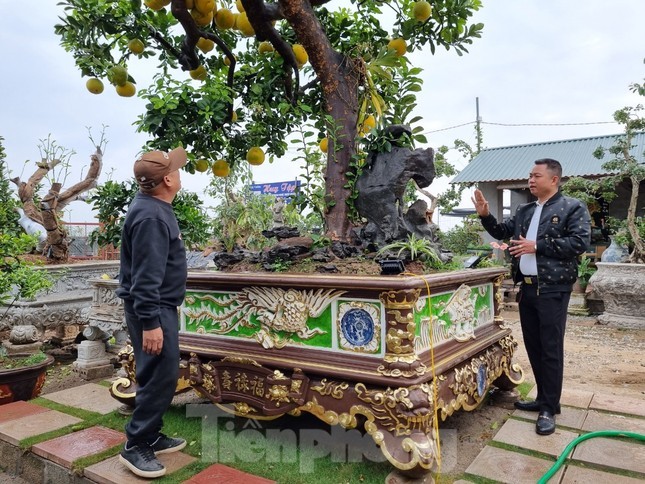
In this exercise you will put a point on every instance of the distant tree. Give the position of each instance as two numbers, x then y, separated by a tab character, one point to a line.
624	167
46	210
111	200
17	278
343	73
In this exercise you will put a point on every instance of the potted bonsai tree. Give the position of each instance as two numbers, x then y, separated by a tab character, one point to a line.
622	285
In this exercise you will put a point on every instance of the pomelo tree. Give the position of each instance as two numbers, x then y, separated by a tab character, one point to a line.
256	72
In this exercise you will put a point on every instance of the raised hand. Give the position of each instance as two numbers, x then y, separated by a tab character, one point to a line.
480	203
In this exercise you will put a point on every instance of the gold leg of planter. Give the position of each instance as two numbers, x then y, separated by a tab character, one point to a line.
400	420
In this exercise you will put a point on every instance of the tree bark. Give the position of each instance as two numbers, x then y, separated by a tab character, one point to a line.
26	189
90	181
339	79
56	250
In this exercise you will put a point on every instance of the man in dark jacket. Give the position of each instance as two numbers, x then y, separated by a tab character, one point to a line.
546	238
152	285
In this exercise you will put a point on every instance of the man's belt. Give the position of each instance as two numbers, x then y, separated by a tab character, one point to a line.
530	279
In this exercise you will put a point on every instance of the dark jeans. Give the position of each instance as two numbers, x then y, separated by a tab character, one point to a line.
156	377
544	317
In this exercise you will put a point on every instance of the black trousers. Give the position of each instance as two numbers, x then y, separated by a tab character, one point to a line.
156	377
543	317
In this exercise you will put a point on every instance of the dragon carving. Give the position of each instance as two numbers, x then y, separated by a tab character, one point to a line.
275	310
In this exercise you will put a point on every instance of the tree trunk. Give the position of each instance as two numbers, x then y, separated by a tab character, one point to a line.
57	250
343	106
339	79
26	189
638	254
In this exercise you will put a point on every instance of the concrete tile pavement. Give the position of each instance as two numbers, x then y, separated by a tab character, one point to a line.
51	461
517	454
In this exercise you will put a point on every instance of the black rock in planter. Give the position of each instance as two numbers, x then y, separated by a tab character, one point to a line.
381	187
23	383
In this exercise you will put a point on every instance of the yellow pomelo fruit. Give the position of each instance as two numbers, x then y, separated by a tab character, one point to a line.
324	144
221	168
225	19
201	165
154	4
199	74
127	90
301	54
201	19
369	123
205	6
190	4
398	45
205	45
118	75
227	61
94	85
234	117
238	4
255	156
421	10
164	3
136	46
265	47
243	25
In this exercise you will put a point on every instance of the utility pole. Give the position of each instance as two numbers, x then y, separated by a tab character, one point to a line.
478	126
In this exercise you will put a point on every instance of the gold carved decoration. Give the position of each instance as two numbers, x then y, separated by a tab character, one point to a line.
499	300
491	365
242	360
399	420
400	410
400	299
243	409
334	389
401	359
275	309
278	394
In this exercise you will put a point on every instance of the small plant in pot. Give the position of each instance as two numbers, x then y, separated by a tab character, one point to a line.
22	376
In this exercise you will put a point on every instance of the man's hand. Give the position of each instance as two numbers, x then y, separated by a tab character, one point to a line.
153	341
481	205
521	247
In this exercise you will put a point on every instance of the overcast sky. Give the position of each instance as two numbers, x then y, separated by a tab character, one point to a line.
538	62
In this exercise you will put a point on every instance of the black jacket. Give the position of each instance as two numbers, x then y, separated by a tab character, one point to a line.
564	233
153	260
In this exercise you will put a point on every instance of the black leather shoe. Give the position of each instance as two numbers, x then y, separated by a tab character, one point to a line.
545	424
527	405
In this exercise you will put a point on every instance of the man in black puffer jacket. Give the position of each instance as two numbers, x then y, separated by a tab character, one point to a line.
546	238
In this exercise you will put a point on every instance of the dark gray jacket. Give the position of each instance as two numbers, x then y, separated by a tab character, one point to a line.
153	260
564	233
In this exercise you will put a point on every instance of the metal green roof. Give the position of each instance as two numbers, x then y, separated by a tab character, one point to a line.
513	163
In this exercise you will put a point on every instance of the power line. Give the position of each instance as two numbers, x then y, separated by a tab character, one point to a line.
451	127
520	124
549	124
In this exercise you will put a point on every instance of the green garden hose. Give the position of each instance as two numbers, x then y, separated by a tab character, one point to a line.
601	433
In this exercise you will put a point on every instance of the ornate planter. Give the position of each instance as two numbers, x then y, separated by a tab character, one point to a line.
622	289
23	383
391	353
65	305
